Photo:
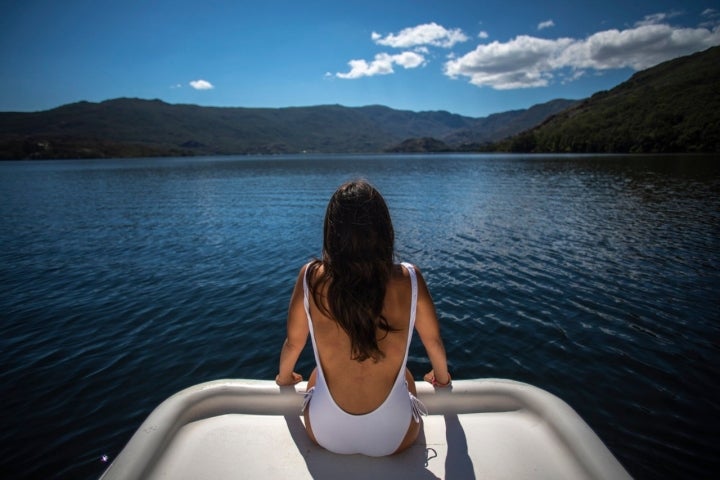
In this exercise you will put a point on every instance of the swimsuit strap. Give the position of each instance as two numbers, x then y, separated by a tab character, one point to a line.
413	312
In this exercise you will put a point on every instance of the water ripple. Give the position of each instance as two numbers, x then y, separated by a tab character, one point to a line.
595	278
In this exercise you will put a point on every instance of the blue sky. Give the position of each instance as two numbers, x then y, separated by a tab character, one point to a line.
472	57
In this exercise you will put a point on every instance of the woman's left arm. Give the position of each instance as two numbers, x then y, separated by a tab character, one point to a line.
297	333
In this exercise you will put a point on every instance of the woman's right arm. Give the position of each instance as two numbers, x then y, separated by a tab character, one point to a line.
297	333
428	327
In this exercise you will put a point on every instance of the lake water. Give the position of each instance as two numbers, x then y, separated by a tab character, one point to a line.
596	278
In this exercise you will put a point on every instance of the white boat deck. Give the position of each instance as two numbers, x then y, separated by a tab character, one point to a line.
233	429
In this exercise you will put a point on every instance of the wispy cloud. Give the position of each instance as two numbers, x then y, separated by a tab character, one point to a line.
430	34
712	17
545	24
382	65
528	61
201	85
657	18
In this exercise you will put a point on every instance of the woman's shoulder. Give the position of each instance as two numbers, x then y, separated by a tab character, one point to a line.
403	271
313	267
404	268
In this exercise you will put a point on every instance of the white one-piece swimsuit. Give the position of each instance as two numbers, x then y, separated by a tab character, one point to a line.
376	433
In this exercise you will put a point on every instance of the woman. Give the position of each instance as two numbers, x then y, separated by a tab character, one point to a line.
360	309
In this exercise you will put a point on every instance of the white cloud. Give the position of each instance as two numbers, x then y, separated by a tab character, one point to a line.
483	34
415	40
545	24
522	62
201	85
527	61
427	34
409	59
637	48
382	65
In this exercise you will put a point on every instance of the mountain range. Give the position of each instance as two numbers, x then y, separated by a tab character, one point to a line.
133	127
672	107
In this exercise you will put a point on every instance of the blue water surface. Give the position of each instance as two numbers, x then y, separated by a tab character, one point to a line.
594	277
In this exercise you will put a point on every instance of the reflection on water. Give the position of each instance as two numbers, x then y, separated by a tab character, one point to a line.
595	278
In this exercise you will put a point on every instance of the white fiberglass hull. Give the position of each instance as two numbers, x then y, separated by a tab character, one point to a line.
488	428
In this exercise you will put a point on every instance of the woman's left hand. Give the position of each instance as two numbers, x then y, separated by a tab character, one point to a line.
430	378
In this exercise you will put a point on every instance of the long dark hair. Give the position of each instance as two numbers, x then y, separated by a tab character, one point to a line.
357	261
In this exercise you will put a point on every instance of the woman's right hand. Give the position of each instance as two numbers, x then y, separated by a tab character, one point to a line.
290	380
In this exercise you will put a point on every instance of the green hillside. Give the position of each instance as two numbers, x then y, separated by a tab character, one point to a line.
672	107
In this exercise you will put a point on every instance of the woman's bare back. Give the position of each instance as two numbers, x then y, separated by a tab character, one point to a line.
361	387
